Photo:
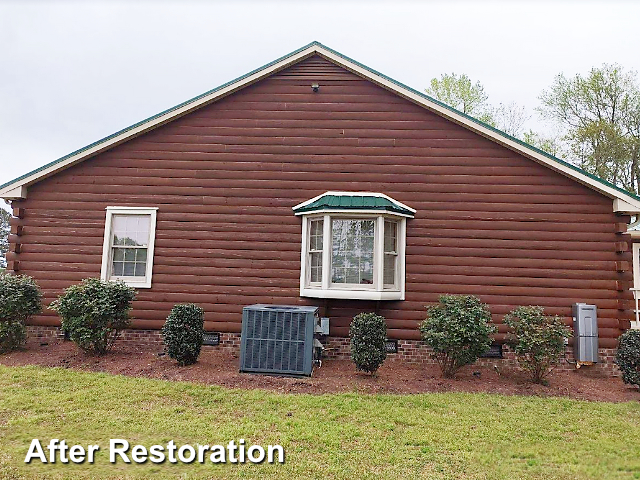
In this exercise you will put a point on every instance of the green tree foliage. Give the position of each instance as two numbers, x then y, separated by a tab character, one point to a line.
20	298
628	356
368	333
537	340
459	92
600	117
549	143
94	313
458	330
4	236
183	333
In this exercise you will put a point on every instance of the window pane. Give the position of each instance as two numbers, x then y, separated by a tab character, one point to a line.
140	269
316	266
352	251
316	233
390	236
129	269
131	230
141	255
390	269
118	268
129	262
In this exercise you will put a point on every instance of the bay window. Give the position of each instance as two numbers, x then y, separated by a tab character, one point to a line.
353	246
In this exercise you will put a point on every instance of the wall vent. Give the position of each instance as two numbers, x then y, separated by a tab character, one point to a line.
495	351
277	339
211	338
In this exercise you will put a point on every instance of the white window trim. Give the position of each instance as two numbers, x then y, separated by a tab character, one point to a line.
635	324
143	282
356	194
354	292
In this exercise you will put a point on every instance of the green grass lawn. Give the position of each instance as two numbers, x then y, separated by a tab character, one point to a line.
350	435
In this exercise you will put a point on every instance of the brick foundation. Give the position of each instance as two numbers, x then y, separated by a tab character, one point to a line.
414	351
410	351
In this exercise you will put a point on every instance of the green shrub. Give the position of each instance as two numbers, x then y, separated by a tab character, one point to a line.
537	340
20	298
628	356
94	313
368	334
458	330
183	332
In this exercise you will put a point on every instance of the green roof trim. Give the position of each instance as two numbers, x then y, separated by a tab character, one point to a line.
336	202
355	62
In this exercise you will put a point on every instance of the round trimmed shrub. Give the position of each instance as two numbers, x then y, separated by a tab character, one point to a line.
183	333
20	298
628	356
458	331
94	313
537	340
368	334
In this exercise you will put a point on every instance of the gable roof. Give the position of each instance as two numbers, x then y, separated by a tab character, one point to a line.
623	201
353	201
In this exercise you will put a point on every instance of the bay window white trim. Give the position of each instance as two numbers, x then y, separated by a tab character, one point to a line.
328	289
355	194
107	246
354	212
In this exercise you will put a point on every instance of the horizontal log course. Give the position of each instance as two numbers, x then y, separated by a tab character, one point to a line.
185	168
542	202
55	210
419	228
250	295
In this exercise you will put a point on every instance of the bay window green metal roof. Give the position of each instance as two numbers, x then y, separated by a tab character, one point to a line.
346	201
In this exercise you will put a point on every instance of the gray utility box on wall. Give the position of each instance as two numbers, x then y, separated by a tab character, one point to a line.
585	332
277	339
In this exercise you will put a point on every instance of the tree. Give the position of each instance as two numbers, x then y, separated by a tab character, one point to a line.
510	118
4	236
599	115
551	144
463	95
459	92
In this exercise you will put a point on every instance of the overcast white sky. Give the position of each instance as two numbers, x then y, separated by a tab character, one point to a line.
74	72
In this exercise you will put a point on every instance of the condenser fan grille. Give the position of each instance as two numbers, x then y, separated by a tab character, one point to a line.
277	339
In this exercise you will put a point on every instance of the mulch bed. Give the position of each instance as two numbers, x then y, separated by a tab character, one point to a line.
216	368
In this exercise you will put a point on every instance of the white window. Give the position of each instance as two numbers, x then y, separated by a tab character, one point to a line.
127	252
316	229
390	254
353	253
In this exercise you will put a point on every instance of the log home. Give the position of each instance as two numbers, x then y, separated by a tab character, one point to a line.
316	180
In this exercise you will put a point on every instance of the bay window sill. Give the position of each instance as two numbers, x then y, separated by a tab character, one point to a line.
346	294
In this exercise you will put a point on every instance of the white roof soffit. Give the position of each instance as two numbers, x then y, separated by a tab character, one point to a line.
624	202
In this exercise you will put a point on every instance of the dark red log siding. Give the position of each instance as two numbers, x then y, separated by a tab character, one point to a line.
489	221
